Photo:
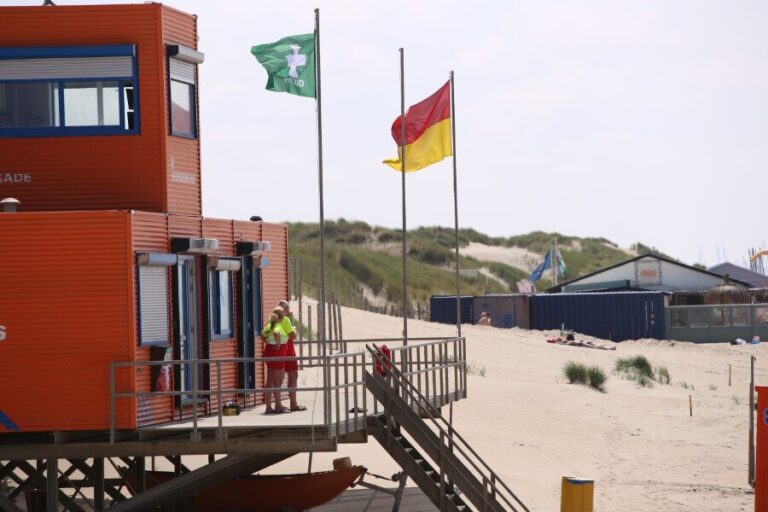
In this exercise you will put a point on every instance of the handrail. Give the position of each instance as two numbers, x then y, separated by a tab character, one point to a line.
345	382
370	340
358	360
450	433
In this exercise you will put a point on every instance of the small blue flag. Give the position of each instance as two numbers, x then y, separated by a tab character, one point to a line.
543	266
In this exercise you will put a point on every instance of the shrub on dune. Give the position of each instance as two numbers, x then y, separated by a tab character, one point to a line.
576	373
640	369
597	377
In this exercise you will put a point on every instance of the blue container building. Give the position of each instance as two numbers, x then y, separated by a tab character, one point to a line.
615	316
442	309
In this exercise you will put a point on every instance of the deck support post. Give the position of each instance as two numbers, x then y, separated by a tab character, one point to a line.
98	483
52	485
140	466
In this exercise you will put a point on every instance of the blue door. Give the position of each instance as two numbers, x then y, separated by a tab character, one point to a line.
251	319
186	293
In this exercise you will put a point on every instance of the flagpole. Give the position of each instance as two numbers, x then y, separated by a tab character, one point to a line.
321	313
552	247
402	171
455	209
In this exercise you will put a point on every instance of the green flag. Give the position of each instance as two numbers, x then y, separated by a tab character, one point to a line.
290	63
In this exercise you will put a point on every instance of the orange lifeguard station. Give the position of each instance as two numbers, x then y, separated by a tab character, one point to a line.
106	256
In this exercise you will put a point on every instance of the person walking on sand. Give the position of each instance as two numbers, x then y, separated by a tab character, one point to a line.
291	367
275	343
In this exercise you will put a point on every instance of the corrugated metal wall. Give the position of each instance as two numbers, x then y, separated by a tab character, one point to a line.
95	172
274	278
152	232
506	310
221	348
183	155
68	304
149	232
612	316
442	309
245	231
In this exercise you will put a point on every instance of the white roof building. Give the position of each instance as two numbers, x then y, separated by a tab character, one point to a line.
646	272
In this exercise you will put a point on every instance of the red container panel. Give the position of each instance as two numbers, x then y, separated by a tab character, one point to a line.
68	306
151	170
69	310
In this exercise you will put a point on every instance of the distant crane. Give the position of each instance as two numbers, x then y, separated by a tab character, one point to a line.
756	260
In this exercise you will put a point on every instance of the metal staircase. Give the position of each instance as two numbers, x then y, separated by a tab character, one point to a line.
444	466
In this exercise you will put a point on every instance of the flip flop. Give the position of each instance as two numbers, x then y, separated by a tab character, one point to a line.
284	410
271	411
299	408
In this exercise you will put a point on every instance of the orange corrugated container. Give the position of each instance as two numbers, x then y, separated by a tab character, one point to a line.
68	305
92	207
150	170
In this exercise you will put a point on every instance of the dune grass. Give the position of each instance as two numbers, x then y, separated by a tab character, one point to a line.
592	376
597	377
576	373
640	370
360	254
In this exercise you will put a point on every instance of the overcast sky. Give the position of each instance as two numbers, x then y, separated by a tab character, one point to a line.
632	120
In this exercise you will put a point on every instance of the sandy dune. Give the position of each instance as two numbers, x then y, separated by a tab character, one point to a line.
638	444
514	256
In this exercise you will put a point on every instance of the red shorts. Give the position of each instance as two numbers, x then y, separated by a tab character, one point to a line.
291	366
273	351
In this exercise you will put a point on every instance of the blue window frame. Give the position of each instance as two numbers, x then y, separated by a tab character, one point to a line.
220	303
68	90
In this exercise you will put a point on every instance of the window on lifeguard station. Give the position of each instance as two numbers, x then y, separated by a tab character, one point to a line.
77	90
220	303
182	94
153	305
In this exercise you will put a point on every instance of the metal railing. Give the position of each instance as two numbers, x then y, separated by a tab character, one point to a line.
450	441
311	349
437	364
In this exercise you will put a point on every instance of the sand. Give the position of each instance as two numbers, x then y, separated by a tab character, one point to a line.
514	256
640	445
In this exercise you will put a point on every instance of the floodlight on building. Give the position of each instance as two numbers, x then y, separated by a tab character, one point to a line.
10	204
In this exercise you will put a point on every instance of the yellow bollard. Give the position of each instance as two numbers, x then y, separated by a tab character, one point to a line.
577	494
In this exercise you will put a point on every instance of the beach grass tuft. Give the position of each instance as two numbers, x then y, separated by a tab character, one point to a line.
597	377
640	369
476	370
662	375
576	373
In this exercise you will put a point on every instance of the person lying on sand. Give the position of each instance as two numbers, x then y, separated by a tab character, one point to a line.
579	343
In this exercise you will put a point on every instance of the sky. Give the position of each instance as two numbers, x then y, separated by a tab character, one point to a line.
630	120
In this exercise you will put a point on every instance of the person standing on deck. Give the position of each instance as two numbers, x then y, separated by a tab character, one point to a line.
291	367
275	339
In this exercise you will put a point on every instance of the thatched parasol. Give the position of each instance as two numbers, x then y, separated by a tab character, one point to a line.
727	293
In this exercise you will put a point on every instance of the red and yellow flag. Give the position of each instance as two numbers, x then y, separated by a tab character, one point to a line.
427	132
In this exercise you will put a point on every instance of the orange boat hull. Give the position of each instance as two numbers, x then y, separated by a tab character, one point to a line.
269	493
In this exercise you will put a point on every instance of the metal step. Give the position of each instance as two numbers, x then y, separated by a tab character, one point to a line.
399	411
404	455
